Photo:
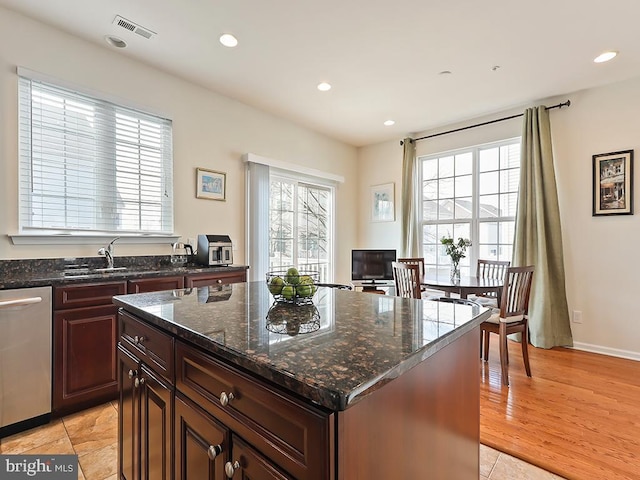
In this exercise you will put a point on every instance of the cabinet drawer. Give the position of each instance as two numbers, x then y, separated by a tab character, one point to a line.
143	285
292	434
87	294
149	344
218	278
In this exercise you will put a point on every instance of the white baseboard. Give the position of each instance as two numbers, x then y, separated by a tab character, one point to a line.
614	352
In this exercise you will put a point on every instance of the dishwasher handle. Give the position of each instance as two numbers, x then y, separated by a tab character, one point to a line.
20	302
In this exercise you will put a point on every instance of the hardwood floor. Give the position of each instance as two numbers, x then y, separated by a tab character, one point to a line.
578	416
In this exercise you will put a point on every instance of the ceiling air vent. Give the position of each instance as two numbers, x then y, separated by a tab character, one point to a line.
133	27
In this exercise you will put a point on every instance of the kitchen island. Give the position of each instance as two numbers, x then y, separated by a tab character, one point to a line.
220	381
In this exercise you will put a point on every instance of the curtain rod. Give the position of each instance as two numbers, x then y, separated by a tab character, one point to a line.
559	105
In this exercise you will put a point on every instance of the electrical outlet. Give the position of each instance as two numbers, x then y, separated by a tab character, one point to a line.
577	316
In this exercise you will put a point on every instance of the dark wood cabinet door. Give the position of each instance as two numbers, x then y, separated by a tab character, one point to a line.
84	353
156	420
201	444
250	465
128	417
143	285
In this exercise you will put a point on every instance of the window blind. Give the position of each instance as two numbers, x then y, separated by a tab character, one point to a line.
89	165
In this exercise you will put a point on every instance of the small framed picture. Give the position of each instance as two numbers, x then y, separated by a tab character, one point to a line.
210	184
382	203
613	183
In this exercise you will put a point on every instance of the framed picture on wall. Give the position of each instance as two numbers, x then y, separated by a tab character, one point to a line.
383	203
613	183
210	184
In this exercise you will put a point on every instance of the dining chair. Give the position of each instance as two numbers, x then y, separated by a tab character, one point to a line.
406	277
490	269
511	317
420	262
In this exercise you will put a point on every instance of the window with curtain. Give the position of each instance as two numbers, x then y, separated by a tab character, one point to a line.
470	193
300	232
89	165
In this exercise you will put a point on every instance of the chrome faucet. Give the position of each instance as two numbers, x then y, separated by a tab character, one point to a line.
108	252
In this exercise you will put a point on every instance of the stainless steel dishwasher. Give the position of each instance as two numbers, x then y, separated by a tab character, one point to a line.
25	358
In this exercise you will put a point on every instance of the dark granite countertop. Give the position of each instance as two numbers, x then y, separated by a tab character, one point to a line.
38	273
333	352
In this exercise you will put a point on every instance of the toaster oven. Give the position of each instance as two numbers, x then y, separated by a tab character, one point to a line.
214	250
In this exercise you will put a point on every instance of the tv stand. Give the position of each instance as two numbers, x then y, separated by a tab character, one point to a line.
374	286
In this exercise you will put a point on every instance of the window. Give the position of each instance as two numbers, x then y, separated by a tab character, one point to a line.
471	193
88	165
300	226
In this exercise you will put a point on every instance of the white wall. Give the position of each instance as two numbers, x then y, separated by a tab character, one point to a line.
602	260
210	131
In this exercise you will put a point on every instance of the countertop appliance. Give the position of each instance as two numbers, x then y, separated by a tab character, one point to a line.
25	358
214	250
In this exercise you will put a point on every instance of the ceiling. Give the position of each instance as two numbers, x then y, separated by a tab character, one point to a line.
383	58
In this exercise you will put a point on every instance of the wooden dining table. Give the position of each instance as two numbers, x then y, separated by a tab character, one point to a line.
464	286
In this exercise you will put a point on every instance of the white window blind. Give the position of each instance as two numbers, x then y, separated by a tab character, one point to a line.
88	165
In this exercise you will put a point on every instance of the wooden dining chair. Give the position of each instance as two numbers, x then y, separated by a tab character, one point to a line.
490	269
414	261
511	317
407	279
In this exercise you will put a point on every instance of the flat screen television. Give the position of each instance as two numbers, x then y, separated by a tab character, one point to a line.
372	265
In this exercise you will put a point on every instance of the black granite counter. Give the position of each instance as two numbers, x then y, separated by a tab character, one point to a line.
43	272
333	352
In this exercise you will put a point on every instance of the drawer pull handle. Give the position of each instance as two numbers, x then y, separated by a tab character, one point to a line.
213	451
230	468
138	382
225	399
138	339
132	373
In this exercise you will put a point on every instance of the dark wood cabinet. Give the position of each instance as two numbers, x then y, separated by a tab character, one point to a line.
201	443
146	413
84	342
156	284
215	278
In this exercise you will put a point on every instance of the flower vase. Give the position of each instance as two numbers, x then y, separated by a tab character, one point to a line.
455	272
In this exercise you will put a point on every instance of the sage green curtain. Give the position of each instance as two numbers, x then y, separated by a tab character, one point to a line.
410	233
538	236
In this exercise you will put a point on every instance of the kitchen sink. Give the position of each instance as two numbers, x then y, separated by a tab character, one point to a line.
83	272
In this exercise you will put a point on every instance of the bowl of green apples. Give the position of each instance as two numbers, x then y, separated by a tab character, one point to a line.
292	286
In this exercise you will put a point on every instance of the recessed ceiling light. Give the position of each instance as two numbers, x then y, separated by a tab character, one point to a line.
388	123
445	72
324	87
605	57
228	40
115	41
495	68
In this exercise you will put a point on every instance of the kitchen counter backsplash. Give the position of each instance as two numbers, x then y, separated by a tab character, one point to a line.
50	271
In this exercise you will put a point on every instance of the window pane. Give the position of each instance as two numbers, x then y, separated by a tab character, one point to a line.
445	188
489	159
509	180
430	190
464	186
489	183
430	169
510	156
489	206
488	232
507	232
508	204
464	208
488	252
446	167
446	209
464	164
430	210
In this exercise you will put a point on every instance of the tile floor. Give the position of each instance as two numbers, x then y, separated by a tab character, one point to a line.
93	436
